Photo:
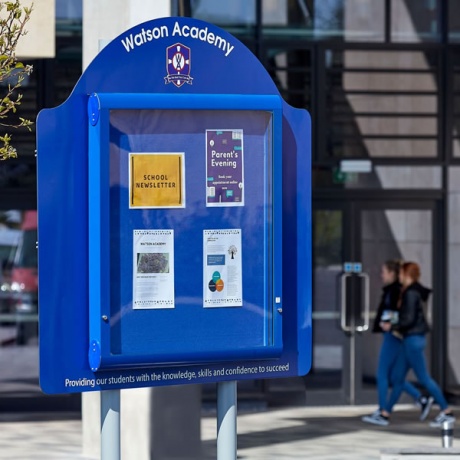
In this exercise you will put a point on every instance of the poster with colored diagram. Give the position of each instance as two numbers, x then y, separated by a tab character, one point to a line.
224	167
222	272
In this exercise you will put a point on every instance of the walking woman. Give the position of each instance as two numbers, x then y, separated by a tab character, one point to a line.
392	348
413	328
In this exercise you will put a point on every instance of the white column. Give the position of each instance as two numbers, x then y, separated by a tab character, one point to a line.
106	19
150	418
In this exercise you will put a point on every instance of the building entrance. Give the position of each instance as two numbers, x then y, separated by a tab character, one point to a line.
351	240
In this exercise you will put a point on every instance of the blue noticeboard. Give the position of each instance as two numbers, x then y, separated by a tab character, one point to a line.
174	218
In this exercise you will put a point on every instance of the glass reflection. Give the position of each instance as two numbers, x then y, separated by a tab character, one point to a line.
351	20
18	302
454	20
19	280
414	20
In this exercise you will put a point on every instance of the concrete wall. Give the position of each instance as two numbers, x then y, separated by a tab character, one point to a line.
106	19
379	80
156	424
454	270
40	39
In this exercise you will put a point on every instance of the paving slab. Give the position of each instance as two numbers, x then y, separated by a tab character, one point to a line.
325	433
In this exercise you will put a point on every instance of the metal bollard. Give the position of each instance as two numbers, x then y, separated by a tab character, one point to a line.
447	434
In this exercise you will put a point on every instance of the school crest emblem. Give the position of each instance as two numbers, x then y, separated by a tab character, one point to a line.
178	63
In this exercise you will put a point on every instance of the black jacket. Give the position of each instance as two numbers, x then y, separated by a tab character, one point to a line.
389	301
411	317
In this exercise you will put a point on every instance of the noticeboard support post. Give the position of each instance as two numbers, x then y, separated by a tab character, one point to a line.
226	421
110	425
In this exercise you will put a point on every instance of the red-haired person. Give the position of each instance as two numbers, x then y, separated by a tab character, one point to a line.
391	349
413	327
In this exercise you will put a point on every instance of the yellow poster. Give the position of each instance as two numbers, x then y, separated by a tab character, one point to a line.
157	180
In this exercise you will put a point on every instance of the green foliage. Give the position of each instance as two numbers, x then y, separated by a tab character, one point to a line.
13	18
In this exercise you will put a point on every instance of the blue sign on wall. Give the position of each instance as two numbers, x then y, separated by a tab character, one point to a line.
174	218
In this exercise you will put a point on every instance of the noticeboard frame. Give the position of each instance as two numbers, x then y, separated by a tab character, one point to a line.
99	107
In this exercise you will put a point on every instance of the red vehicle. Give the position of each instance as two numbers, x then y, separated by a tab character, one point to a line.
20	280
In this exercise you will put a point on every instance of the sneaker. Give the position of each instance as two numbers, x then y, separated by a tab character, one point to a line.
425	406
376	419
441	418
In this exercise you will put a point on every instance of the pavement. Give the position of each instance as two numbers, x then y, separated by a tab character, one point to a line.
326	433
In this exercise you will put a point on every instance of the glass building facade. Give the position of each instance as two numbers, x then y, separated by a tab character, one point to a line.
381	80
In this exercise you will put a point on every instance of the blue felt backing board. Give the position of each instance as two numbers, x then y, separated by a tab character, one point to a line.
138	62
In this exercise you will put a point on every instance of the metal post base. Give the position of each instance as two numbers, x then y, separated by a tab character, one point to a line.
226	421
110	425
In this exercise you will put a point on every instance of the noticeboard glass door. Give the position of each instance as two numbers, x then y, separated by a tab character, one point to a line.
191	232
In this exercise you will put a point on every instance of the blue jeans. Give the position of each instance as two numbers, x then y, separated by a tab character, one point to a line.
414	359
390	352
